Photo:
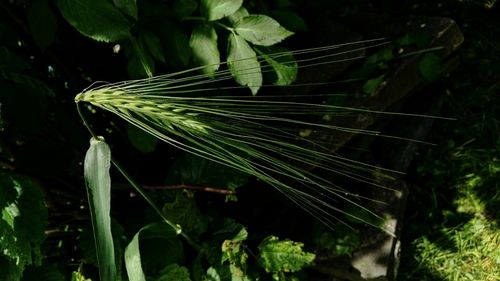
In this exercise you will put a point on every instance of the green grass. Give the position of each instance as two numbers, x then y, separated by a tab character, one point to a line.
466	252
452	230
454	233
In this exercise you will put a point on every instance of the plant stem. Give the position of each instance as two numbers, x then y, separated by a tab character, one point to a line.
138	188
225	26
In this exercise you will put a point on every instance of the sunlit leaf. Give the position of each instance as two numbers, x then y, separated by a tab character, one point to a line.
97	19
203	43
212	275
22	225
283	255
233	253
78	276
284	65
261	30
239	14
217	9
243	64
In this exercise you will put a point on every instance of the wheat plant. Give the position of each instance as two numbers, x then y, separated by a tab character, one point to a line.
267	136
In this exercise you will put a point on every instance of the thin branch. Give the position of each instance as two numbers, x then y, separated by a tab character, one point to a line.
191	187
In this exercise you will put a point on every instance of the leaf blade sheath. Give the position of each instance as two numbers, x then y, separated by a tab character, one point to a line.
97	179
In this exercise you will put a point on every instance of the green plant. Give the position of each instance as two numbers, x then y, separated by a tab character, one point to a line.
276	138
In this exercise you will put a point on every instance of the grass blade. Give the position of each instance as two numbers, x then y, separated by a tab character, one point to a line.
133	254
98	182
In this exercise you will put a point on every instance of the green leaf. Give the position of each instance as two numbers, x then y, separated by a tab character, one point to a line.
78	276
342	241
290	20
10	271
141	64
212	275
97	179
128	7
234	253
220	273
430	66
203	43
243	64
197	268
184	8
29	81
261	30
217	9
42	23
381	57
230	230
283	63
141	140
133	257
239	14
176	45
22	225
174	272
372	85
87	247
283	255
153	44
221	230
97	19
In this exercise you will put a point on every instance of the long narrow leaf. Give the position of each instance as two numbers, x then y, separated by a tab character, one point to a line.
98	182
133	253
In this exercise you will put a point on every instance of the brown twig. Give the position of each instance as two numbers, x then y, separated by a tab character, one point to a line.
191	187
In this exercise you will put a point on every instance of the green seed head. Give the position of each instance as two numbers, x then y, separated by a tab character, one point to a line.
160	112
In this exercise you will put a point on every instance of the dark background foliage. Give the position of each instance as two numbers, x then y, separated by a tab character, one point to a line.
45	61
